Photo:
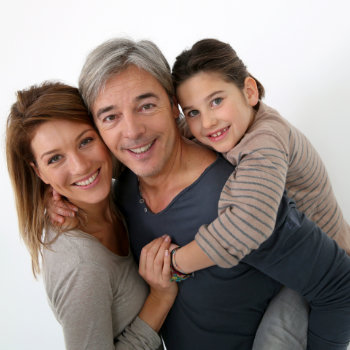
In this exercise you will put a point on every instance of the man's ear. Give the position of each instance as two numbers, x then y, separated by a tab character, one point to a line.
37	172
251	91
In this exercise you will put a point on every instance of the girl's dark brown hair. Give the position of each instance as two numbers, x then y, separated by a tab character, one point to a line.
211	55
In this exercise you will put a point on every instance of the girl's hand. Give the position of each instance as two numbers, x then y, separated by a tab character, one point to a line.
58	209
155	268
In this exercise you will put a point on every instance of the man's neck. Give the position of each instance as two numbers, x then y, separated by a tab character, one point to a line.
188	163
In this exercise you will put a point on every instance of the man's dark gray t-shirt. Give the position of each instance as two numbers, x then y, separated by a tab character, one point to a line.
221	308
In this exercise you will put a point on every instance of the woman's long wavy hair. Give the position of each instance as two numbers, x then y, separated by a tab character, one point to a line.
34	106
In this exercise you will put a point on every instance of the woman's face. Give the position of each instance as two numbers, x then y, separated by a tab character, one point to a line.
71	157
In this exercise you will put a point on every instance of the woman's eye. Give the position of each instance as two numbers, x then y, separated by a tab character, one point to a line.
54	159
86	141
216	101
193	113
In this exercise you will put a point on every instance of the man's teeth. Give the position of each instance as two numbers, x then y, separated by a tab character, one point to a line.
88	181
141	149
219	132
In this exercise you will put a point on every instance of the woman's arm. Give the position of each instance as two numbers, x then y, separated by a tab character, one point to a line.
82	302
82	295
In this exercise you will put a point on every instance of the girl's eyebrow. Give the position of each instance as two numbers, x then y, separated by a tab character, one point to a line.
210	96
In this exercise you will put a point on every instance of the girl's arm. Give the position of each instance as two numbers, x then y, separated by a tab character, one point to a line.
247	208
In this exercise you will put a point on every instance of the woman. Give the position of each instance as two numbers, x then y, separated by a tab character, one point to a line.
89	274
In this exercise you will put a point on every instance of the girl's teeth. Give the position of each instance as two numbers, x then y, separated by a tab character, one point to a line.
88	181
219	133
141	149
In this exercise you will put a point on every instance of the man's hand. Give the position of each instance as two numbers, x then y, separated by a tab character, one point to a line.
58	209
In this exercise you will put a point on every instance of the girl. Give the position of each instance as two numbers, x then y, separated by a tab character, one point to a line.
222	105
89	274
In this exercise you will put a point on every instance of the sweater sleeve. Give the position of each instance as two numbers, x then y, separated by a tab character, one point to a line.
299	255
82	302
250	198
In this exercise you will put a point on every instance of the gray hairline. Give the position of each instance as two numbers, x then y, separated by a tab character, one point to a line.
114	66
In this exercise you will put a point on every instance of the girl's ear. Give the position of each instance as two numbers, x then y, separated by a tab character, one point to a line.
175	107
251	91
37	172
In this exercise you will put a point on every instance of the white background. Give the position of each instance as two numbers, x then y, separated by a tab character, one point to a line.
299	50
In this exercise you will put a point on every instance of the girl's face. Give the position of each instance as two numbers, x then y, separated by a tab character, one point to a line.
217	112
71	157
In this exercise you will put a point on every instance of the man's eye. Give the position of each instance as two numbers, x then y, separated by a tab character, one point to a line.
109	118
216	101
86	141
147	106
193	113
54	159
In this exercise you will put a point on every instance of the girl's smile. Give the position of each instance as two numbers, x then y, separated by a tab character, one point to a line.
217	112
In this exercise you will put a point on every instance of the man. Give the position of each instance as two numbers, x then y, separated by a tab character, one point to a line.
173	186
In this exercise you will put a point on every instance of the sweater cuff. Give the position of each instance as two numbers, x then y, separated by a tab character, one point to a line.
215	251
150	337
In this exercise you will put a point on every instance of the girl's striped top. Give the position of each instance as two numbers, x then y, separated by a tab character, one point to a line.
271	157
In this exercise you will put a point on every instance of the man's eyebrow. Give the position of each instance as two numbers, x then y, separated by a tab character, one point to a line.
185	108
137	99
104	110
146	95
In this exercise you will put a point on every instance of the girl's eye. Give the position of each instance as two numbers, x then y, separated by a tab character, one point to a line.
193	113
216	101
54	159
85	141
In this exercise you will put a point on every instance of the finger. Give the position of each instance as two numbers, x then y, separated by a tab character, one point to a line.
63	211
147	255
55	195
166	266
71	206
56	219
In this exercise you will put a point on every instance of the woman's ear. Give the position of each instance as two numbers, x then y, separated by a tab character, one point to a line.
251	91
37	172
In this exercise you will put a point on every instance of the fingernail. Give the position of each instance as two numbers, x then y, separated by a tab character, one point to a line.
167	239
166	252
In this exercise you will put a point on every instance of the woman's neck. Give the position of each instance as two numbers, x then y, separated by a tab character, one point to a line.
100	221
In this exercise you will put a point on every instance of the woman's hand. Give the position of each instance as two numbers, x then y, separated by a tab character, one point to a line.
155	269
58	209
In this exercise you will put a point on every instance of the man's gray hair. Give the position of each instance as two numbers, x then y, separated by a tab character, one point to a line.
114	56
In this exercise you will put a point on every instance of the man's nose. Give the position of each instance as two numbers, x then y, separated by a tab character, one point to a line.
133	126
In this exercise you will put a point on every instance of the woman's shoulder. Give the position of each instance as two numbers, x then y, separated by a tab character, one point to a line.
75	249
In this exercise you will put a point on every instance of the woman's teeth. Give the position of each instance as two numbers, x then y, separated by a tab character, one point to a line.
88	181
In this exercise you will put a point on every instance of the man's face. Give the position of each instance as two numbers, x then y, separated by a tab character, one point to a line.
137	121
